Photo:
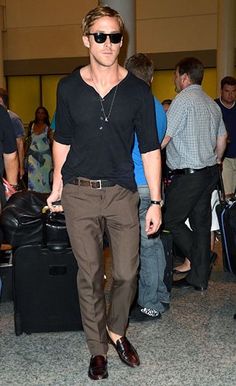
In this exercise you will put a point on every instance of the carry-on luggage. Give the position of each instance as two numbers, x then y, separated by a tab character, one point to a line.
6	273
21	218
226	212
45	290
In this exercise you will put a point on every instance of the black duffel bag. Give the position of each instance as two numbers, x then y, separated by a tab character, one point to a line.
23	222
21	218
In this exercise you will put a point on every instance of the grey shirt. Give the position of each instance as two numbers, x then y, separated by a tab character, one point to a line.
194	121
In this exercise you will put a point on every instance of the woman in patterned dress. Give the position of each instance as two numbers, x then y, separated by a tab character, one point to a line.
39	152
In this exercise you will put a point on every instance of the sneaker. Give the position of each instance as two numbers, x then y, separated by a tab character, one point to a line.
151	312
139	314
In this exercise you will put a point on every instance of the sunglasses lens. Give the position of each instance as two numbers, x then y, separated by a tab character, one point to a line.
115	38
100	37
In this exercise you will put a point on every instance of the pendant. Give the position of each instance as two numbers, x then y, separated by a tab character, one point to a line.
106	119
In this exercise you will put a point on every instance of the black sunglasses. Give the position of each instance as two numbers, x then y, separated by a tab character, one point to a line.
101	37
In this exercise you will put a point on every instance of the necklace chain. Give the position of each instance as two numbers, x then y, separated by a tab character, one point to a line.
106	117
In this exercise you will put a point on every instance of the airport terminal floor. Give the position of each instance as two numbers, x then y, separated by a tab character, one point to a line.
193	344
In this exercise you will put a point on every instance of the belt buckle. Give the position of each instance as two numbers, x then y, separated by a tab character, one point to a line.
99	182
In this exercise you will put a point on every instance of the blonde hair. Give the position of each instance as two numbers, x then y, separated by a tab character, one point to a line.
96	14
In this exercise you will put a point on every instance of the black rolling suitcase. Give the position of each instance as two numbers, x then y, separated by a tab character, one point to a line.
45	290
6	274
226	213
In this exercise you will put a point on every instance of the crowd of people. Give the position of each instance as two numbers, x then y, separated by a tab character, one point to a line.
110	137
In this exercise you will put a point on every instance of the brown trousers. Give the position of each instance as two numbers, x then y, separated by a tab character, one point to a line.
88	211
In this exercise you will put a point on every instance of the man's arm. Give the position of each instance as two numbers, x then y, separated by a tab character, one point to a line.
165	141
19	134
11	167
20	151
152	169
60	152
220	147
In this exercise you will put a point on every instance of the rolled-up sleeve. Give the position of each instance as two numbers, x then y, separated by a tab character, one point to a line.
146	124
64	122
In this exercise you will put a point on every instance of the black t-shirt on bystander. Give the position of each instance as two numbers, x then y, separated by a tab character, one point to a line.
7	137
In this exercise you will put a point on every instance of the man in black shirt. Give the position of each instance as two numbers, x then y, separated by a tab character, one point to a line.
18	129
99	107
8	155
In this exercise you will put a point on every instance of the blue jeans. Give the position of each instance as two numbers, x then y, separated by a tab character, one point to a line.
152	289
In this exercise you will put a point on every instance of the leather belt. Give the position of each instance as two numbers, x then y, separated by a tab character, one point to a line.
186	171
94	184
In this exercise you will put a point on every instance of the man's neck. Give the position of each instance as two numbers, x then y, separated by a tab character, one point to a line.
227	105
105	75
102	78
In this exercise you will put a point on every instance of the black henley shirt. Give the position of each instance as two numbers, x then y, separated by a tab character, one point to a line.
100	149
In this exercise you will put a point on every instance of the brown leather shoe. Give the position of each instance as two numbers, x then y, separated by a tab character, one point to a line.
98	367
126	351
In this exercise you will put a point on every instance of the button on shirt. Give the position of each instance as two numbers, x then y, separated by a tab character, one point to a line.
194	121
